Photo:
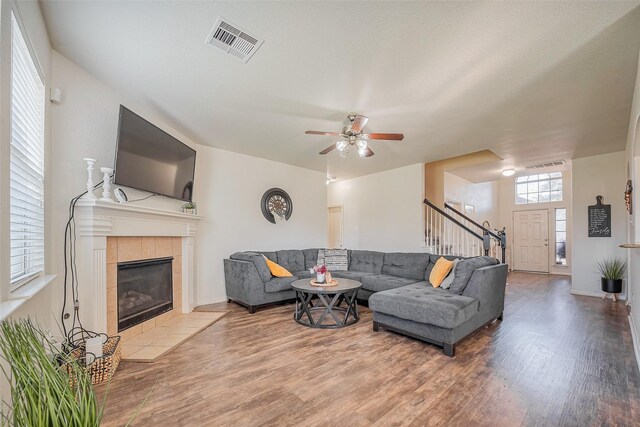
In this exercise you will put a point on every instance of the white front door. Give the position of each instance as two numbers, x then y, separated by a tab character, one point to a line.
531	241
335	227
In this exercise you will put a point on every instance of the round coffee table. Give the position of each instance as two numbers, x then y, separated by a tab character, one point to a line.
328	301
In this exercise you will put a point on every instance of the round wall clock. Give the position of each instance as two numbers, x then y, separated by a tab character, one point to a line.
276	201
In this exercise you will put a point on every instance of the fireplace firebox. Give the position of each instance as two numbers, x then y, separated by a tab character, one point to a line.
145	290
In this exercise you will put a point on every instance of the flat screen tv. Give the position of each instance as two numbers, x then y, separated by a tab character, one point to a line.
149	159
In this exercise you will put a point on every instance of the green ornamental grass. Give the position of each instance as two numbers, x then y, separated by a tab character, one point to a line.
612	268
48	387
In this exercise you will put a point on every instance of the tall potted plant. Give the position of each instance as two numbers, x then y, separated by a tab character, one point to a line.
48	387
612	272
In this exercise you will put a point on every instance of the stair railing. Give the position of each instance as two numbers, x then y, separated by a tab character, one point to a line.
446	235
494	242
458	235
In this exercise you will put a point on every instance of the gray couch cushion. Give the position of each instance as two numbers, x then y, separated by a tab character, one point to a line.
382	282
407	265
367	261
464	270
304	274
353	275
257	260
291	259
422	303
278	284
310	257
271	255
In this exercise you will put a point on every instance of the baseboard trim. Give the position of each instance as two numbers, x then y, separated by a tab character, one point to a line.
620	297
634	340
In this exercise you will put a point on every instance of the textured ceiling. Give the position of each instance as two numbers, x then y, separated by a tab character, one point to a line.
531	81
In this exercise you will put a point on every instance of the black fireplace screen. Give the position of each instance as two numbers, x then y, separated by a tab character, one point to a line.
145	290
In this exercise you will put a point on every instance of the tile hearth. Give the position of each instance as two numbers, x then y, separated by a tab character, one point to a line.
167	335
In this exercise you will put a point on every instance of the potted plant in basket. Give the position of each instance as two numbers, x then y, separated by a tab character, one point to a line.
321	271
189	208
46	385
612	272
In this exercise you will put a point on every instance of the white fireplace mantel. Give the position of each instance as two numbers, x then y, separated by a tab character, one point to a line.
96	220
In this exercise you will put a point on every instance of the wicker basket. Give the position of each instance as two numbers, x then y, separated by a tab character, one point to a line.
103	368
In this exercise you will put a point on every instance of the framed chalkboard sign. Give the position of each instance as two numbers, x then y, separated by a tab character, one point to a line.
599	219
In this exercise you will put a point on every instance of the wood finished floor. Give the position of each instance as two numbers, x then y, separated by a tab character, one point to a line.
557	359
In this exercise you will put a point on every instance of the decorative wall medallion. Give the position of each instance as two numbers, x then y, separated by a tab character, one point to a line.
276	202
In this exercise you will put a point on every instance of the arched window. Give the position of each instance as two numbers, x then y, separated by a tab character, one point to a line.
541	188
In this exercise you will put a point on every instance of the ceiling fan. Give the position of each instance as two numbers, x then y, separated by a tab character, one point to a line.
355	137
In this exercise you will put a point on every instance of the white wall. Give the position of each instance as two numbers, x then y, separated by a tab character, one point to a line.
592	176
28	13
228	186
382	211
483	196
633	166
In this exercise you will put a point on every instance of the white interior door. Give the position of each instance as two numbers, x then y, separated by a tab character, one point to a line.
335	227
531	241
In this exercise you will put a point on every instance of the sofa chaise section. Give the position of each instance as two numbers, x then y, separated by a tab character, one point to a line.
438	316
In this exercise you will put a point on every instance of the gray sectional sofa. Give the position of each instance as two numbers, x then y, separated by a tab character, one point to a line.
395	286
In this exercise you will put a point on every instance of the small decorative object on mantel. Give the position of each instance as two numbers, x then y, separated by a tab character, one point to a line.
599	219
320	271
190	208
90	163
612	272
628	199
276	203
106	184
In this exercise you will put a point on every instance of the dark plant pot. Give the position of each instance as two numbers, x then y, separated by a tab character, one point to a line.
611	286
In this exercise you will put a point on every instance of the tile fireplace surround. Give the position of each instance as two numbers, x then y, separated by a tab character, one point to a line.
109	233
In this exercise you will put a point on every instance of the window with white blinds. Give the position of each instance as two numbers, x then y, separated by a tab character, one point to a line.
26	169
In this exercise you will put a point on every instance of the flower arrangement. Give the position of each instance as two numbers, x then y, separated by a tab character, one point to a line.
318	269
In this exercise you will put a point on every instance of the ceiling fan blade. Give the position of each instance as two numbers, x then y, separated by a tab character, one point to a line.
358	123
328	149
317	132
386	136
369	152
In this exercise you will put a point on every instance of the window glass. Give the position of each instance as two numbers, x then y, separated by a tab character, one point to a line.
26	163
541	188
561	236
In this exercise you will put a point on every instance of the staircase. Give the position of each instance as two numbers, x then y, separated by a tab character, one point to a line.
450	232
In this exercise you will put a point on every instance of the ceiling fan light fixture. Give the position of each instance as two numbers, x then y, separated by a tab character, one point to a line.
341	145
362	151
362	144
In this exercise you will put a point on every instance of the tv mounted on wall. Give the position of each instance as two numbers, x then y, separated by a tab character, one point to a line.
149	159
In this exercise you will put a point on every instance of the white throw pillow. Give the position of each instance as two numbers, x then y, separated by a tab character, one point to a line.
334	259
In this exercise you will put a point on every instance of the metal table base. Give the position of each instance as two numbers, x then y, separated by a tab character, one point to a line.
337	310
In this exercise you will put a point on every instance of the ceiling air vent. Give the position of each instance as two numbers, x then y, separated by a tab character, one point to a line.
547	164
233	40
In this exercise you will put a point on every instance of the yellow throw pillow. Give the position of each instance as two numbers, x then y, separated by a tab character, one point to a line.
276	269
440	270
